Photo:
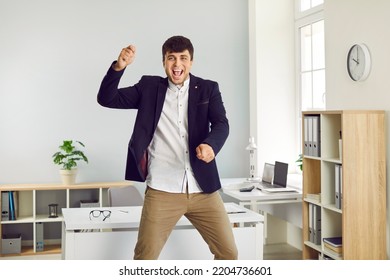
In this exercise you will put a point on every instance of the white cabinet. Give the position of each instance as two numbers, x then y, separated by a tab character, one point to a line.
32	207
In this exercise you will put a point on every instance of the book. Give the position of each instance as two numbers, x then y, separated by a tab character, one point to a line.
334	241
338	249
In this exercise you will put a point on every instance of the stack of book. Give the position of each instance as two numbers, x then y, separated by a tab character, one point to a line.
314	196
334	245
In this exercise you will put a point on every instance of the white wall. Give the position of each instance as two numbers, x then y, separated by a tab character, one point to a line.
349	22
54	54
272	95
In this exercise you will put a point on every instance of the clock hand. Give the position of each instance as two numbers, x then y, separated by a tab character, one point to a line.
357	53
357	61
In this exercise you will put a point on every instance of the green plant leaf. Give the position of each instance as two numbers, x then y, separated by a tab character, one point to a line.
69	155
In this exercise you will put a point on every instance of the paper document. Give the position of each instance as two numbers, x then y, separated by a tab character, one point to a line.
278	190
234	209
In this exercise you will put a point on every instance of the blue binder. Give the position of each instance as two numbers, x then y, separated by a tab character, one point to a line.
12	215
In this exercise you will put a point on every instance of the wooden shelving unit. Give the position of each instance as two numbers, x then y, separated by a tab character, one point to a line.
33	201
361	219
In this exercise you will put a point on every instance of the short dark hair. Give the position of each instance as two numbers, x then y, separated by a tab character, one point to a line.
177	44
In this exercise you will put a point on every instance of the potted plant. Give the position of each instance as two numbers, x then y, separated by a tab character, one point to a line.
67	157
299	162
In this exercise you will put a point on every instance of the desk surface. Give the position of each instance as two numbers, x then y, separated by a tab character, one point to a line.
231	187
129	217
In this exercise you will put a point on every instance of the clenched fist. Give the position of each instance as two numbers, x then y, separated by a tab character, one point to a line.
205	152
125	58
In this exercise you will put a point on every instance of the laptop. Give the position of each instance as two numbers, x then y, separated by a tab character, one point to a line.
279	182
268	175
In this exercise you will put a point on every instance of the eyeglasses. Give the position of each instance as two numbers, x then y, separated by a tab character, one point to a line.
96	214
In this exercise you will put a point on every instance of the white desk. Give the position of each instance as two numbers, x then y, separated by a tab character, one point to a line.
231	187
83	238
285	206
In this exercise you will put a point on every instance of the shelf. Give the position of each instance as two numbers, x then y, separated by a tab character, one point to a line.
332	255
19	220
313	246
333	160
361	216
316	202
33	207
29	250
45	219
333	207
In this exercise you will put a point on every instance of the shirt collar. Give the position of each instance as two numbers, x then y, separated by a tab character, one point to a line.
174	87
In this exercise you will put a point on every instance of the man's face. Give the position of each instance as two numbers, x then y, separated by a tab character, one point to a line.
177	66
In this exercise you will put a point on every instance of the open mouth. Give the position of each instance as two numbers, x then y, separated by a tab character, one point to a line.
177	73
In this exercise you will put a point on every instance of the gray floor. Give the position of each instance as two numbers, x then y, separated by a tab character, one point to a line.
271	252
281	251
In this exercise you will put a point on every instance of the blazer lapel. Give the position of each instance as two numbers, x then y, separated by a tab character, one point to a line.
162	91
193	98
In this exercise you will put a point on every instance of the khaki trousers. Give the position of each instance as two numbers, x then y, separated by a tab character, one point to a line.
206	212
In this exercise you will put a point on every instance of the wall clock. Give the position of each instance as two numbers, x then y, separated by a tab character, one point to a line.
359	62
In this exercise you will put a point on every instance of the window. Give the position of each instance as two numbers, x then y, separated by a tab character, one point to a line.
312	66
310	53
306	5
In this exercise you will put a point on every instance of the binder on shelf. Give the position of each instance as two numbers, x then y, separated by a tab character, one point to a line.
39	245
12	211
337	184
311	228
4	206
316	149
312	136
317	224
306	135
341	186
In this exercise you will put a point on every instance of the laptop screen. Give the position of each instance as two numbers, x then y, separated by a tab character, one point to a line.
268	173
280	174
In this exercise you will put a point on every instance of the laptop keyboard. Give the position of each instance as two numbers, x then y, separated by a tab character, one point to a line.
266	185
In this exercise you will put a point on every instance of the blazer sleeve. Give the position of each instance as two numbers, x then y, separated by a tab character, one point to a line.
219	124
111	96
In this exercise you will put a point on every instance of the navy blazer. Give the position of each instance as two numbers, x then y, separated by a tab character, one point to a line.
207	122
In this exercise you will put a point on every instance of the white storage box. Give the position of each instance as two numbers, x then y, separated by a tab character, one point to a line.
89	203
11	244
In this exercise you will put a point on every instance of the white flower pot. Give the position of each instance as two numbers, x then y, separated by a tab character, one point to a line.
68	177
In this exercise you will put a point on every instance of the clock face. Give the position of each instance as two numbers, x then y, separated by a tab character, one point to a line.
358	62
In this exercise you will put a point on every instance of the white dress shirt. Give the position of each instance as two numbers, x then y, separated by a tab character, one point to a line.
169	166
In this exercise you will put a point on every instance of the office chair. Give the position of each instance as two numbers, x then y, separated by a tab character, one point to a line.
124	196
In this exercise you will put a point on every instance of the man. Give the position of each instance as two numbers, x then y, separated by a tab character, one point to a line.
180	126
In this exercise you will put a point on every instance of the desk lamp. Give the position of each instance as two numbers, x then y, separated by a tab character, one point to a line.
252	147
